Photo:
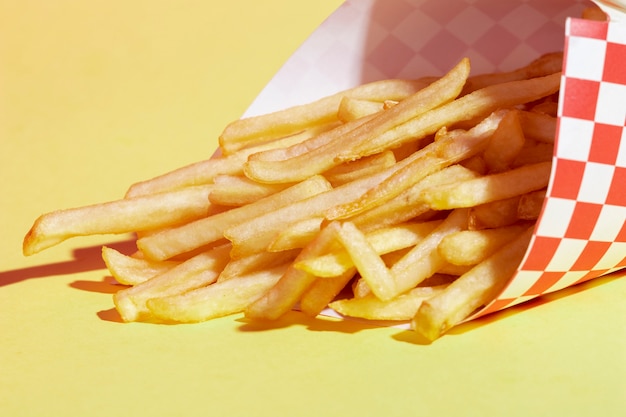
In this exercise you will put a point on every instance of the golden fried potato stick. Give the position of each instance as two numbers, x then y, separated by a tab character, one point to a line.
132	271
530	205
116	217
424	259
256	262
498	213
198	271
332	153
351	108
171	242
284	295
490	188
237	190
354	170
505	144
544	65
470	247
296	235
402	308
215	300
538	126
470	291
243	132
534	153
324	290
204	172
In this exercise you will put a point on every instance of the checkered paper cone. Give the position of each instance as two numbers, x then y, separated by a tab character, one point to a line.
580	234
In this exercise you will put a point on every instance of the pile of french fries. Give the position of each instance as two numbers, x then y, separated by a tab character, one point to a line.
397	200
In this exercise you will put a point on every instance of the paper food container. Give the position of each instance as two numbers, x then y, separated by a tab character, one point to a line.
581	233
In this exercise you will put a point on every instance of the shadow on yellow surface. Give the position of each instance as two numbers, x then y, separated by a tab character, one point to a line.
83	260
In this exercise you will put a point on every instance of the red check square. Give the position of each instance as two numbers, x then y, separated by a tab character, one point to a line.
568	176
614	63
582	98
617	190
583	220
605	143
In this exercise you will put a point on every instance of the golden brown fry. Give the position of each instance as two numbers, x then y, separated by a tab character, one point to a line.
360	168
120	216
499	213
215	300
470	291
237	190
351	108
530	205
402	308
132	271
544	65
505	144
470	247
490	187
244	132
538	126
323	291
284	295
258	261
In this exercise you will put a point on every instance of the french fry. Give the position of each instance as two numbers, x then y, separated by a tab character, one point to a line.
290	287
323	291
470	291
505	144
360	168
490	188
237	190
470	247
351	108
132	271
296	235
117	217
498	213
402	308
530	205
256	262
215	300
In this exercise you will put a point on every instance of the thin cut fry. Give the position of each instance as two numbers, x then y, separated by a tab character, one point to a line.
119	216
470	291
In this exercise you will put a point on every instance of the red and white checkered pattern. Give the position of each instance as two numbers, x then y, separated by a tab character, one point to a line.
582	231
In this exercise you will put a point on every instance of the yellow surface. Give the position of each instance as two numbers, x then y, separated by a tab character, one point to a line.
95	95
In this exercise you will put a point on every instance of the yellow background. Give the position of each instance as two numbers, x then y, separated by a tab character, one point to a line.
95	95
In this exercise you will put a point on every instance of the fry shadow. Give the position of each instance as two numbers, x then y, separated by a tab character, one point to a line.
83	260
